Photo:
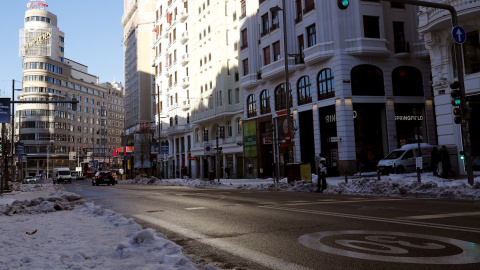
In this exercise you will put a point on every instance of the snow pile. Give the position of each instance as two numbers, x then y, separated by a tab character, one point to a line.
396	185
49	228
408	186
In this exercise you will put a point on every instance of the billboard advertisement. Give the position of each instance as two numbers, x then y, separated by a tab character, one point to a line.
4	110
35	42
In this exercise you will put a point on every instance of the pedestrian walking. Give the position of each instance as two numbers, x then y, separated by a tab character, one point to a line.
227	172
445	159
322	174
434	159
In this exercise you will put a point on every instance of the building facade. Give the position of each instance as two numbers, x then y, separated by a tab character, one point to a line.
53	134
359	81
199	102
436	30
138	24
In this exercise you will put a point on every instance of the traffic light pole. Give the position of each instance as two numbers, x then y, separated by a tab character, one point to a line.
459	57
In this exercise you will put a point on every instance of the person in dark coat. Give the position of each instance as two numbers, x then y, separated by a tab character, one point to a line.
435	159
445	159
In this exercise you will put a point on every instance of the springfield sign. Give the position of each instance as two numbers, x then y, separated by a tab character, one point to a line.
4	110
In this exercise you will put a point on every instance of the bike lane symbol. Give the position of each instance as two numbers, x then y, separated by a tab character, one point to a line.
394	247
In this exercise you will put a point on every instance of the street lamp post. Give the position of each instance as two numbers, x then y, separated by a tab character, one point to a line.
287	83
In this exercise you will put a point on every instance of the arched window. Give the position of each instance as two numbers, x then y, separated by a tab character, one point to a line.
265	102
304	90
251	106
176	120
229	128
367	80
407	81
171	121
281	97
325	85
197	135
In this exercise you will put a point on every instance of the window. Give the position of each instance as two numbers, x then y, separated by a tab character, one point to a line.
251	106
309	5
230	97
265	102
471	53
275	20
265	25
311	35
399	38
243	6
229	128
298	5
245	67
276	51
367	80
239	126
244	39
371	27
237	95
281	97
407	81
301	47
325	86
304	91
266	55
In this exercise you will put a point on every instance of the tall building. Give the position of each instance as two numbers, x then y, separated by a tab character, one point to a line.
359	81
435	28
138	23
53	134
199	102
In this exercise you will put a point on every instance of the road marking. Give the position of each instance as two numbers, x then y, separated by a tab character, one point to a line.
442	215
250	255
383	246
355	201
195	208
378	219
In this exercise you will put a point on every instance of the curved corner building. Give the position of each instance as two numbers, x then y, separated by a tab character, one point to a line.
53	134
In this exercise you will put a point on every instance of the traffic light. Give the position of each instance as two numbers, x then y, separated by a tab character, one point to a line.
220	150
461	155
343	4
456	101
74	104
84	149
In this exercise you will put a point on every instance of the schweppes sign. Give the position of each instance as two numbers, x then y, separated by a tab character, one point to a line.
37	41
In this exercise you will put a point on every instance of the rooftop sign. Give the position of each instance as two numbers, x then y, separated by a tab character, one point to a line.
37	4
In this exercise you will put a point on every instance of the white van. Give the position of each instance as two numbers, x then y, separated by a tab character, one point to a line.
404	159
61	175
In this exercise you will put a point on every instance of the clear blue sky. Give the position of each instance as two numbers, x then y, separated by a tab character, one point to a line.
93	37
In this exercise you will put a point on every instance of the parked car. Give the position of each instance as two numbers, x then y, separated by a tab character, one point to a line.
29	180
38	178
103	177
77	176
404	159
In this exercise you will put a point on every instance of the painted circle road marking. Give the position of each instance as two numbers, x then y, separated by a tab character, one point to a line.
383	246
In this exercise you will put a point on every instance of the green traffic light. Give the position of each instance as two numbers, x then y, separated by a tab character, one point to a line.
458	101
343	4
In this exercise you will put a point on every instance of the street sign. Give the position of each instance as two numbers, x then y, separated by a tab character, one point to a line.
72	156
335	139
458	34
419	162
208	149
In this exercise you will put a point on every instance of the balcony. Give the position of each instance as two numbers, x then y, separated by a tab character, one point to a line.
277	69
367	46
183	15
402	48
309	8
184	37
318	52
186	105
244	46
242	16
186	82
179	129
185	59
299	17
249	81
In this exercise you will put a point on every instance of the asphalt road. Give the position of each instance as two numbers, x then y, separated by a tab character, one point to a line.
249	229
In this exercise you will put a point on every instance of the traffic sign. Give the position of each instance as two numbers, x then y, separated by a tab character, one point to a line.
458	34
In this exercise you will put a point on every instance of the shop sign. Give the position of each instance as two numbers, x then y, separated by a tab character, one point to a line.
37	4
267	140
250	139
408	117
331	118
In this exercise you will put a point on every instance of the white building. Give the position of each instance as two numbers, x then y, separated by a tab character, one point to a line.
197	83
53	132
435	28
359	78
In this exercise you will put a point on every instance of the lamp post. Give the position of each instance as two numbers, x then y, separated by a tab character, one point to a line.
13	127
287	83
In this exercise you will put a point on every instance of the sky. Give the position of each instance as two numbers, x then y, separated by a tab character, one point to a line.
86	236
93	37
